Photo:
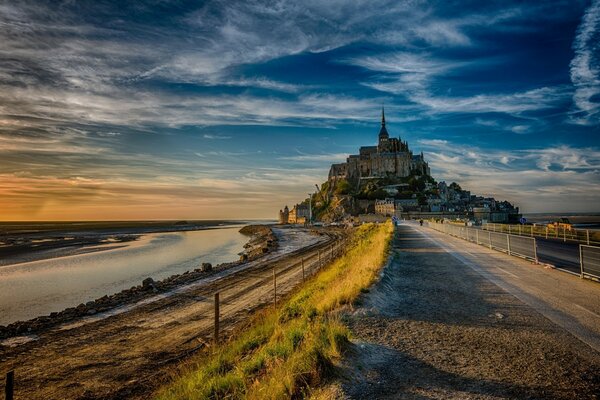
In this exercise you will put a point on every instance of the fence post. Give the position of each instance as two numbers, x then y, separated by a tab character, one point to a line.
508	243
216	338
546	231
535	250
490	239
581	260
9	386
531	230
564	233
302	262
477	236
274	287
587	234
319	259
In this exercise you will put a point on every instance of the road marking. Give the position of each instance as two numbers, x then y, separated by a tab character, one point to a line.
560	317
510	273
585	309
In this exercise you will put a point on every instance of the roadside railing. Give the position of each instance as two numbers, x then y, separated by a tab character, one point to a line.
513	245
583	236
589	258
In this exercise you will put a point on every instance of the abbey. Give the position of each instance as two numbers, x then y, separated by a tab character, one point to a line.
391	157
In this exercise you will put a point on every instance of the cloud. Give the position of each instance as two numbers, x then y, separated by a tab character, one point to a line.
215	137
537	180
327	158
585	67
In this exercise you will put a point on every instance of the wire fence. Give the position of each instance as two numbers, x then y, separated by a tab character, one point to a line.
266	285
561	232
514	245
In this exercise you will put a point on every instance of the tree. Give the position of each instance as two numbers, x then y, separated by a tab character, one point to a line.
343	187
455	186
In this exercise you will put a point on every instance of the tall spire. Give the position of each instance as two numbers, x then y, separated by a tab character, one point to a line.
383	133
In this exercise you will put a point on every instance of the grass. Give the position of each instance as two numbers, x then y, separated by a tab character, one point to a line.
285	352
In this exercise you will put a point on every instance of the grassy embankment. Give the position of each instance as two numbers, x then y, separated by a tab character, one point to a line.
285	352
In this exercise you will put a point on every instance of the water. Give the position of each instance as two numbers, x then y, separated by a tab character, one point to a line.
28	290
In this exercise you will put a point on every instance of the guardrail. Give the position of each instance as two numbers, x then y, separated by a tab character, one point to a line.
584	236
513	245
589	258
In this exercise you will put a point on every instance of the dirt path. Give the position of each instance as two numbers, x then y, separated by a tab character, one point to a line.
435	327
127	355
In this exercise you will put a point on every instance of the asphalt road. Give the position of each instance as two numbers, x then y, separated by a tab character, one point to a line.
450	319
558	253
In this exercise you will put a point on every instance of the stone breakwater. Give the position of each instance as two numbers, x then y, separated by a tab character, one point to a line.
262	242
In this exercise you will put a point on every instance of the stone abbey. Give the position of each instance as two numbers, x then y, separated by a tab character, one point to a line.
390	158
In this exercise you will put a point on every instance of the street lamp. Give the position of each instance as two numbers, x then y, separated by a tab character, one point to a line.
309	208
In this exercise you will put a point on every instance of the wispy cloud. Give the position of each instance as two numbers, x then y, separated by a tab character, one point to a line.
216	137
535	179
585	67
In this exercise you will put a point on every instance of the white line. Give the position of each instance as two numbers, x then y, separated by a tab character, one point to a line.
585	309
510	273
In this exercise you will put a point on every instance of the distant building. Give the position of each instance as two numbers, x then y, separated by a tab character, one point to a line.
284	216
385	207
299	214
391	157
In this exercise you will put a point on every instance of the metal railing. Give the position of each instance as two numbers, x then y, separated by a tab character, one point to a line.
584	236
589	258
513	245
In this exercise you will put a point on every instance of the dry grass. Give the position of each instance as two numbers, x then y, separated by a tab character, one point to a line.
286	352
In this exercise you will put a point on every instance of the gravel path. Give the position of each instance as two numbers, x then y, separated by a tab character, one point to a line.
434	327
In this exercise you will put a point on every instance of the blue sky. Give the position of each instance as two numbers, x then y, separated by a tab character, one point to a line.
231	109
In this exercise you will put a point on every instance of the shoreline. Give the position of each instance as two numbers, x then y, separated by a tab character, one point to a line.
259	244
19	248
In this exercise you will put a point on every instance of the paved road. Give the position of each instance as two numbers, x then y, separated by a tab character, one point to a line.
451	319
567	300
560	254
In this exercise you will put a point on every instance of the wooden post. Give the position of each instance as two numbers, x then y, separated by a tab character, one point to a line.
302	262
319	259
564	233
477	236
508	243
9	386
274	287
216	337
490	238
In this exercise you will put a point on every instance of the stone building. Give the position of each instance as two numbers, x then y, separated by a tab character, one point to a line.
299	214
385	207
284	216
391	157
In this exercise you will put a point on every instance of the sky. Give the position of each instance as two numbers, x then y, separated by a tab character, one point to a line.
232	109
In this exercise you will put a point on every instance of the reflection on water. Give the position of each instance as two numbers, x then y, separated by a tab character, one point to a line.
37	288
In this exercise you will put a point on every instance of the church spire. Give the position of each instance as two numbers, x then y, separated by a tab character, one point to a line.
383	133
